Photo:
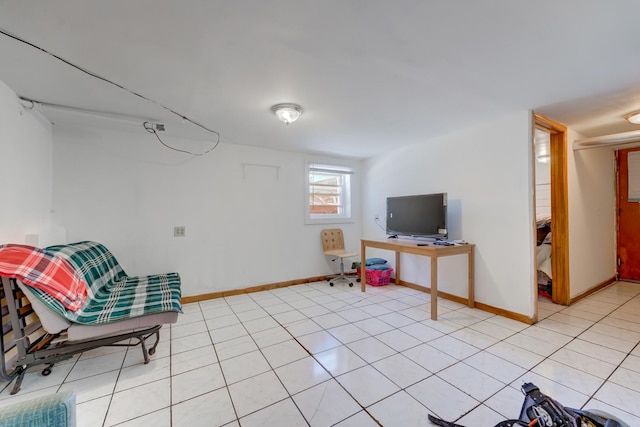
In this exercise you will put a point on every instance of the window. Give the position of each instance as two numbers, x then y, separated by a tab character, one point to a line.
328	193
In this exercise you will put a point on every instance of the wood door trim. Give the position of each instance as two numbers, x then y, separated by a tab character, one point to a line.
559	208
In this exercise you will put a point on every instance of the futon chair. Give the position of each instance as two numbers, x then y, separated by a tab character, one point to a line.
67	299
333	246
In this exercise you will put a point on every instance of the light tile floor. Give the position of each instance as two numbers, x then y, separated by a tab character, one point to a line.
321	356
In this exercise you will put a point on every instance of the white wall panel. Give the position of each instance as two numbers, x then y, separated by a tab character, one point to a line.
592	216
487	173
25	172
244	226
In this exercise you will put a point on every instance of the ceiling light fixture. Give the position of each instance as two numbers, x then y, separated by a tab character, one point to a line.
287	113
633	117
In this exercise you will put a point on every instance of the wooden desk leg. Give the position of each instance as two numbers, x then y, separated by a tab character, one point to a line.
472	275
397	268
434	287
363	267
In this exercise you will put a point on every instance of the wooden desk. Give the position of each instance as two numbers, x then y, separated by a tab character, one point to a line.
432	251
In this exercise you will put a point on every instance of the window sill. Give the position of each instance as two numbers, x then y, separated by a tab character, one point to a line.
312	221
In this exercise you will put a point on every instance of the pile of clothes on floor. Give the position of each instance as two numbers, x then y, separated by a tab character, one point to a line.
543	257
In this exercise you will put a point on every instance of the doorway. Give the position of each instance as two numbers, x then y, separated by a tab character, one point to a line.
628	212
541	146
559	220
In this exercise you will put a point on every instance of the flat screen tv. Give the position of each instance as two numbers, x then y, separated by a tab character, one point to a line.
422	215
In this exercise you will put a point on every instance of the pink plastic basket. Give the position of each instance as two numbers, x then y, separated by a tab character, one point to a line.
377	277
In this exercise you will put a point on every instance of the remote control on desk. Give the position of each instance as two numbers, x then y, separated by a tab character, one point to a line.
443	243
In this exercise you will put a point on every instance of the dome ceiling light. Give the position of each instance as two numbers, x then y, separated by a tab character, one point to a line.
633	117
287	113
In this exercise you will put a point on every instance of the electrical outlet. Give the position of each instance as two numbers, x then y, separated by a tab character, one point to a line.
179	231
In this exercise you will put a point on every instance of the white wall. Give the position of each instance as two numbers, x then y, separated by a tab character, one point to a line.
242	206
592	218
245	225
487	173
25	174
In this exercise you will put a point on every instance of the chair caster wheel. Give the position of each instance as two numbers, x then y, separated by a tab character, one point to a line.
330	283
46	371
350	285
358	280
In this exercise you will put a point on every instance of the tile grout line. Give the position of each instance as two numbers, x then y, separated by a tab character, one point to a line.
394	328
413	322
323	367
289	396
219	361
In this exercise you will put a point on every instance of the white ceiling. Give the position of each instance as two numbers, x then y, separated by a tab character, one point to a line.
371	75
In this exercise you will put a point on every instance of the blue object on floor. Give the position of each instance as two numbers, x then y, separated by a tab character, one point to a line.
374	261
53	410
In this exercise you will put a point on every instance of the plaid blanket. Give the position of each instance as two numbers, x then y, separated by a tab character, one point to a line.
44	271
112	295
94	262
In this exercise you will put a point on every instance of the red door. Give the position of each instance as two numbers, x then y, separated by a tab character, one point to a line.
628	217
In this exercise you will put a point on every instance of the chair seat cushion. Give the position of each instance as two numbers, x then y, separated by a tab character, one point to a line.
341	253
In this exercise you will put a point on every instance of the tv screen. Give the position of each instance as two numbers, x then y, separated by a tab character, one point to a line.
420	216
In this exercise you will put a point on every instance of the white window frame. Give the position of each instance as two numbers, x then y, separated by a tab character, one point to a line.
345	211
